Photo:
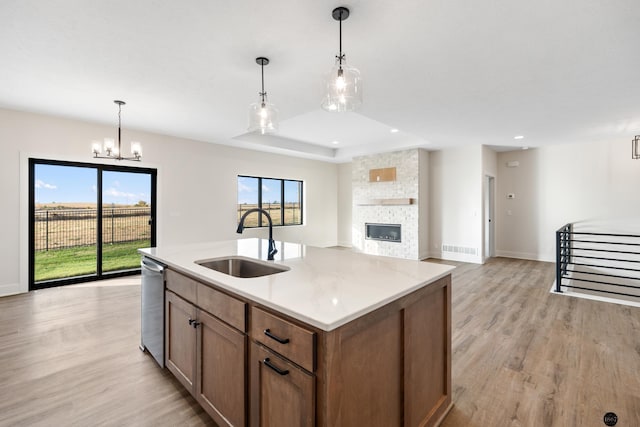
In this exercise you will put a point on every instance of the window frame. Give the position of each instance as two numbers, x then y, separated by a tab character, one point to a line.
282	200
100	169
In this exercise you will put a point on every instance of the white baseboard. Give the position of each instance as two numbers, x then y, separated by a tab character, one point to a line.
345	244
11	289
451	256
524	255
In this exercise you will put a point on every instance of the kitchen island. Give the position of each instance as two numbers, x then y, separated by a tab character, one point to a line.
333	338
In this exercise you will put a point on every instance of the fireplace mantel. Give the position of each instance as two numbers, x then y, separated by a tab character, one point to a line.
388	202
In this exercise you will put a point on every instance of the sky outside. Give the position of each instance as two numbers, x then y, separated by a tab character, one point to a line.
68	184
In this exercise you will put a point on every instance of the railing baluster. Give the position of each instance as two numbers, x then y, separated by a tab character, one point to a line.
558	260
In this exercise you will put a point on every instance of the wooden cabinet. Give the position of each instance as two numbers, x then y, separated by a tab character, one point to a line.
207	355
180	340
220	379
282	395
388	368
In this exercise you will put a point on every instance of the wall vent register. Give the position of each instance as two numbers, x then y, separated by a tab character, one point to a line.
385	232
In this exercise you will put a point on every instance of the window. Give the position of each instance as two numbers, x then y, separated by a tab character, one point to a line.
281	198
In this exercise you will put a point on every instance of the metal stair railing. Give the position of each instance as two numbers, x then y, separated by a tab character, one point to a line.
610	260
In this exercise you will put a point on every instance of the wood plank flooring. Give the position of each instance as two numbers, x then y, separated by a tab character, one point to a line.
69	357
521	356
525	357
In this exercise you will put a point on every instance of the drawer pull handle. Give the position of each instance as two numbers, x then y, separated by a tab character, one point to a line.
268	333
279	371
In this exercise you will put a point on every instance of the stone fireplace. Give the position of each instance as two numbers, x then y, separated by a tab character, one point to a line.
389	216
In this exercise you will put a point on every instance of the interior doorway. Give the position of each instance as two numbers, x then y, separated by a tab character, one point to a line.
87	221
489	217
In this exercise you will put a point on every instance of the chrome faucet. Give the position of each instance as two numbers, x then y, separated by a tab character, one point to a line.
272	243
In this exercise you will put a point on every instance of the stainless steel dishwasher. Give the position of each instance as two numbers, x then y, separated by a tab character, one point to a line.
152	309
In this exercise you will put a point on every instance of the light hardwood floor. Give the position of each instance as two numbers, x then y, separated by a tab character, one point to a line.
521	356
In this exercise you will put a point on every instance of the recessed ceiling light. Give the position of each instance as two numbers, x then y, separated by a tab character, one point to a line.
518	137
335	142
394	130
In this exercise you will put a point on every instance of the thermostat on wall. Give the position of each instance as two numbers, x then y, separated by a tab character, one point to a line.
511	196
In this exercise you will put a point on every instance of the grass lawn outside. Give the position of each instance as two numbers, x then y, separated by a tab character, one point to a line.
81	260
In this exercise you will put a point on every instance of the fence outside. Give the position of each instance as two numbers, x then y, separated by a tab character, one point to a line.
292	213
66	228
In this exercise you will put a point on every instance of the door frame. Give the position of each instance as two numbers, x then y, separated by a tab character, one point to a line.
488	226
100	167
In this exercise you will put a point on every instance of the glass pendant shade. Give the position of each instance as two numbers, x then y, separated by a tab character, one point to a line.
343	91
263	117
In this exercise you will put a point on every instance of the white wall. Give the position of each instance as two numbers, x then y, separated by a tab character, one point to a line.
344	204
197	186
589	183
455	214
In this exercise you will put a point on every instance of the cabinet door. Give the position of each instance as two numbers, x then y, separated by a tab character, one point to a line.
180	340
282	394
221	371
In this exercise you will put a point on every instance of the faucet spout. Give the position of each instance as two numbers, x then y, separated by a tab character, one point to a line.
272	244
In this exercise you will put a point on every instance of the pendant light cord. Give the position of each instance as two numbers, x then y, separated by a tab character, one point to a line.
263	93
119	130
340	54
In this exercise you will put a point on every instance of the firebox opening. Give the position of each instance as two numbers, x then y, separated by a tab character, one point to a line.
384	232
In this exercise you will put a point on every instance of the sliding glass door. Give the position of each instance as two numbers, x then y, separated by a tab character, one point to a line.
126	219
87	221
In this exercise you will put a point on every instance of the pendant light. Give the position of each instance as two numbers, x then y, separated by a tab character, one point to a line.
635	147
263	116
111	150
344	84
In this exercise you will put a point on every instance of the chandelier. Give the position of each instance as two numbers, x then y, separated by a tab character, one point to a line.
113	151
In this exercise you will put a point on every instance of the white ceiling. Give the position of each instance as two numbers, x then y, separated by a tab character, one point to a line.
443	72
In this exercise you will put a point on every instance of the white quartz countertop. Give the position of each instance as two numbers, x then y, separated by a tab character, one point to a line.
324	287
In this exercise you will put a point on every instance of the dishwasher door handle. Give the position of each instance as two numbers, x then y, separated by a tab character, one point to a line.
152	266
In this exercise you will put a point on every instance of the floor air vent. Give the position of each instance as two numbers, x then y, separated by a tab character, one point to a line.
459	250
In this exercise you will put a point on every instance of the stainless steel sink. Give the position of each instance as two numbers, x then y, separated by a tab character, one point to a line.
242	267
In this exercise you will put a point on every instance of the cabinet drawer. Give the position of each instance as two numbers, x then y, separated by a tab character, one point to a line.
181	285
223	306
293	342
280	393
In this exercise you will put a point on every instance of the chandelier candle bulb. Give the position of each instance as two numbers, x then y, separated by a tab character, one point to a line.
96	147
136	148
109	144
